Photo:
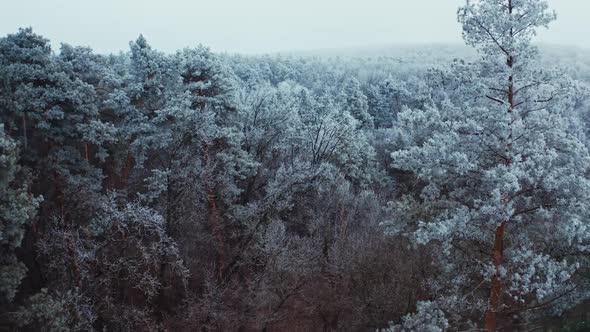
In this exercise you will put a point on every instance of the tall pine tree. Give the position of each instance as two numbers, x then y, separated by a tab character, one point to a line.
505	192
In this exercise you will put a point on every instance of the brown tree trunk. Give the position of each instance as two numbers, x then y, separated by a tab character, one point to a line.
214	215
496	289
75	267
86	152
214	220
126	170
25	131
59	195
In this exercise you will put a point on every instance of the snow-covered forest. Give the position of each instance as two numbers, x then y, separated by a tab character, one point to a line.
432	188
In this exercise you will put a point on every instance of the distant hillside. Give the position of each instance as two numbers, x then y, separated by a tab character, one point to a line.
430	51
576	60
402	51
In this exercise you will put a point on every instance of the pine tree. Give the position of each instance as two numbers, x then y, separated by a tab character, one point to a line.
355	102
505	191
17	208
386	100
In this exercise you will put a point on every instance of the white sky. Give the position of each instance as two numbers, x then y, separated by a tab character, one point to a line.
261	26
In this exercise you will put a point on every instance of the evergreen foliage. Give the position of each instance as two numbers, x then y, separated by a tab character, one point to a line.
200	191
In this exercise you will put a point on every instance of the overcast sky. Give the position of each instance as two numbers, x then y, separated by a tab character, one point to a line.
261	26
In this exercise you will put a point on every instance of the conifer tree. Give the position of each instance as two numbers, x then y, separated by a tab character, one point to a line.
355	102
17	208
505	192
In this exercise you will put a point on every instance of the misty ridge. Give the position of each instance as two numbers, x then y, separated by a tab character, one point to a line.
404	187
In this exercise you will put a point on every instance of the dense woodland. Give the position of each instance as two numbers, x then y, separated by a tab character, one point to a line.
435	189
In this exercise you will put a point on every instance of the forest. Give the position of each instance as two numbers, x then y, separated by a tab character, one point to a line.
433	189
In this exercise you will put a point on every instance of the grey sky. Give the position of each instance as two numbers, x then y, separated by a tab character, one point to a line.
259	26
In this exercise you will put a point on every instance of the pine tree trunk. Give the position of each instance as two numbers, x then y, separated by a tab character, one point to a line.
75	266
491	319
59	195
126	170
496	289
25	131
86	152
214	215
